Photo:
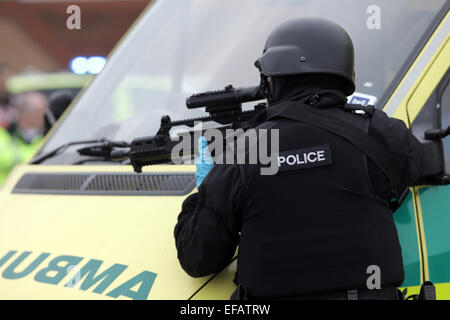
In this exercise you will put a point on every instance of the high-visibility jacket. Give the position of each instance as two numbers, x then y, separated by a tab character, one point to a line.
14	150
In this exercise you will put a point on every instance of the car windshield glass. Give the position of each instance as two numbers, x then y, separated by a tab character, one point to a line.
182	47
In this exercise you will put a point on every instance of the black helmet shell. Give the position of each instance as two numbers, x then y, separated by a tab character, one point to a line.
309	46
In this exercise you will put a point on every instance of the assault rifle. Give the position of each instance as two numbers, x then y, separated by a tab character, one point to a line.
223	106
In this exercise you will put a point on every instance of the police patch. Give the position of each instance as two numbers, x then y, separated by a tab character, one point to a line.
304	158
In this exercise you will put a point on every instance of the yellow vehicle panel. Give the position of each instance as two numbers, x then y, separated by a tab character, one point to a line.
134	231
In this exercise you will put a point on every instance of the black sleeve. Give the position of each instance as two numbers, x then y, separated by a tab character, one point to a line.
207	231
409	152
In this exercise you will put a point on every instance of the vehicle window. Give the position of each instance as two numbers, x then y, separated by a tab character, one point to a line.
445	107
182	47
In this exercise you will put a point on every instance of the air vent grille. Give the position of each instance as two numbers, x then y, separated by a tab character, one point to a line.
106	183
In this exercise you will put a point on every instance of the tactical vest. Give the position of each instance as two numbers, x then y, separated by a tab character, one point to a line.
320	226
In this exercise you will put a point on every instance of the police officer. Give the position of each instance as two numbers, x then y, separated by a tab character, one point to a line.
314	229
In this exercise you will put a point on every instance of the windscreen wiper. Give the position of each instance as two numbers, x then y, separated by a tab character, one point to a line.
102	149
103	144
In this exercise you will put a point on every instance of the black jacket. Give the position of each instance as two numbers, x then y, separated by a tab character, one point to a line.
304	230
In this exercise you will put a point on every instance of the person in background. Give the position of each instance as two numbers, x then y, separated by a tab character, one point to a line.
59	101
19	142
5	109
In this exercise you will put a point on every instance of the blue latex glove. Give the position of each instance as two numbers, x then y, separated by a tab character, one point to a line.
204	161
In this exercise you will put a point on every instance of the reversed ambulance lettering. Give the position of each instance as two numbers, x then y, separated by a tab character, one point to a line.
87	277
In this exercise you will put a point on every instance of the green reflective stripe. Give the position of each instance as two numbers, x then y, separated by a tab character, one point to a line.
436	220
48	81
407	231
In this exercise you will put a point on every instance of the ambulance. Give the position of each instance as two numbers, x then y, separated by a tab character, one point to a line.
77	226
47	83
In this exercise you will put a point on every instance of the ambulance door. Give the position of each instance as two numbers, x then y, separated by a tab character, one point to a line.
433	201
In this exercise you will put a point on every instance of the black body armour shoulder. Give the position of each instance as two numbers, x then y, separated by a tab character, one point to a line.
321	225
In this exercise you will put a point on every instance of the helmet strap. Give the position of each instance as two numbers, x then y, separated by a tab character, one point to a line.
264	87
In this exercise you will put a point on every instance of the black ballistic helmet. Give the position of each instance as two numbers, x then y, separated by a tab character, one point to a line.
309	46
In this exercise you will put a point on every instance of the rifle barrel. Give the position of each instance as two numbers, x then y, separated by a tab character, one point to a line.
227	97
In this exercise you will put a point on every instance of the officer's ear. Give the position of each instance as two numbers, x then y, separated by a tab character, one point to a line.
269	89
270	84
